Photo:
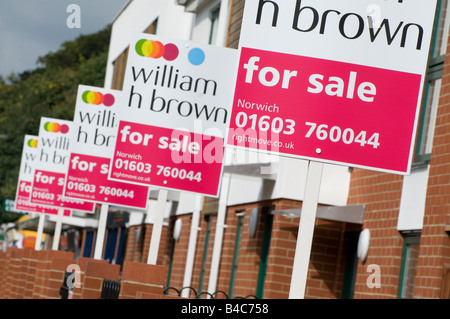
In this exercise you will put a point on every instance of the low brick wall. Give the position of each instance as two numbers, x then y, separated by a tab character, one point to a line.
31	274
82	263
139	277
96	271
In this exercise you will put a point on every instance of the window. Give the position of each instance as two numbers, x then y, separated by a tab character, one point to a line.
240	215
205	252
214	23
268	223
120	65
152	28
410	258
425	132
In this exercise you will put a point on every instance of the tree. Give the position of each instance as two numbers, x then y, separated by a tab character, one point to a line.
49	90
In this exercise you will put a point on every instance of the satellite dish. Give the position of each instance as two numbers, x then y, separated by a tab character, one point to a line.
177	229
253	222
363	244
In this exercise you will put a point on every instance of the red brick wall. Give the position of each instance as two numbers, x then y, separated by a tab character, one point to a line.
140	277
95	271
14	278
180	250
327	258
55	280
435	242
327	261
50	268
246	274
380	193
30	274
3	271
139	252
82	263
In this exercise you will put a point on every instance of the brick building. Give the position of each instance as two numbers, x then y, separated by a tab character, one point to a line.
245	240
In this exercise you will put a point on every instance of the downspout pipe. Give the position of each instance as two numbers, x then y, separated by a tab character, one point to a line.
192	244
218	238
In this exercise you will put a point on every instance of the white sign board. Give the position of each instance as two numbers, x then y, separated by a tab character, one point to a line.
332	81
91	148
25	179
50	169
175	113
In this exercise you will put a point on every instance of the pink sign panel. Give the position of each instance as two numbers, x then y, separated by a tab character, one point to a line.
169	158
22	201
87	179
48	190
324	110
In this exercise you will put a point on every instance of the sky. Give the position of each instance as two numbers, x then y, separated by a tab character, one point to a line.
30	29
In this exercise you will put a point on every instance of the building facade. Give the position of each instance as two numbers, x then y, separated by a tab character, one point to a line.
245	240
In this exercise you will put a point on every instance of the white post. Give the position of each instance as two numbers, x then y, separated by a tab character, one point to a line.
192	244
57	233
40	231
157	226
218	239
100	238
306	231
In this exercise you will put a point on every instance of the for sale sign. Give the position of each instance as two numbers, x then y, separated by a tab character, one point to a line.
332	81
92	146
174	116
51	166
25	180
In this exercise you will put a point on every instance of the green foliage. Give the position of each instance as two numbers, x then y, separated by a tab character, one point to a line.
76	52
9	217
49	90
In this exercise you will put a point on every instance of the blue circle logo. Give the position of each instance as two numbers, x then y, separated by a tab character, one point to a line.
196	56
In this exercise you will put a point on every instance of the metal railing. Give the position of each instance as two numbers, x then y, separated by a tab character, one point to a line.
199	295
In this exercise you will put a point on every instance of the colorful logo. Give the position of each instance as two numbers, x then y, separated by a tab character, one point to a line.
156	50
97	98
32	143
55	127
